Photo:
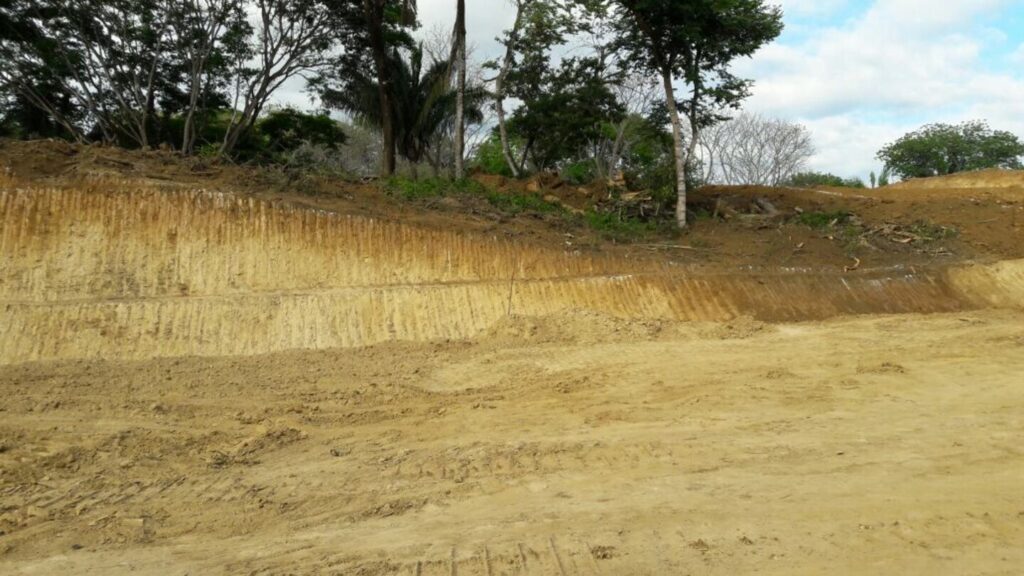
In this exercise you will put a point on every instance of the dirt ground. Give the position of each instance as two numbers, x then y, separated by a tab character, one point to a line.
599	434
882	445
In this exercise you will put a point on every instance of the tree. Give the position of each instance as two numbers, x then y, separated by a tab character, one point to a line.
539	25
942	149
34	78
293	38
286	129
108	57
813	179
209	34
369	31
754	150
459	60
884	177
570	111
695	41
422	101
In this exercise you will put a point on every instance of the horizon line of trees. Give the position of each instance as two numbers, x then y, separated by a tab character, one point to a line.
200	75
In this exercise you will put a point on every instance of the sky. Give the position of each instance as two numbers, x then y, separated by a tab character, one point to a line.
857	73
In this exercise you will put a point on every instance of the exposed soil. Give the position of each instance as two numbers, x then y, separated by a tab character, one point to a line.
568	446
986	215
230	383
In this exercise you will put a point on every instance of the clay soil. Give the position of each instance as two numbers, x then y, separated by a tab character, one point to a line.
574	445
571	444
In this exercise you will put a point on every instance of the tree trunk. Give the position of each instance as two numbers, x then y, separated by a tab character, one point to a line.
460	97
677	146
499	89
374	10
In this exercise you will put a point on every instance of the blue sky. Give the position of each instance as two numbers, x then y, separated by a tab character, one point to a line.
861	73
857	73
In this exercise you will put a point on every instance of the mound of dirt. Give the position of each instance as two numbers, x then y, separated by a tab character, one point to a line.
576	326
993	178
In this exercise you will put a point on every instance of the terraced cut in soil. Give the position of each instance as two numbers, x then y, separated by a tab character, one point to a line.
204	383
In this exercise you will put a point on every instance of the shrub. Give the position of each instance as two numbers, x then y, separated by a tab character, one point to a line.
823	220
812	179
489	158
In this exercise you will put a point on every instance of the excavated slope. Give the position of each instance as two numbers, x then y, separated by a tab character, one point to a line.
108	273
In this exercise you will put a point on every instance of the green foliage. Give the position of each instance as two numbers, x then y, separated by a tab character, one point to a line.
649	163
286	129
941	149
931	232
884	177
423	101
696	41
579	172
569	111
272	140
616	226
824	220
489	158
812	179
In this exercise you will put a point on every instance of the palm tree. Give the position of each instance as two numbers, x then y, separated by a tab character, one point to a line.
376	14
422	102
460	88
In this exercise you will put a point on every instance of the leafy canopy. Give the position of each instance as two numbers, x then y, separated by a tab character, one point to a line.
942	149
696	41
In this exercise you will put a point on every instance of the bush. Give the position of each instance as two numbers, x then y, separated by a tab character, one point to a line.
812	179
823	220
581	172
489	158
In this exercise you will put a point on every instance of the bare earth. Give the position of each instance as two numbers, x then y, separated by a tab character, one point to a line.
205	373
575	445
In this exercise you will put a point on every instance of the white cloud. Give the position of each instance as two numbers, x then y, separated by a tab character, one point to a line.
811	8
857	84
901	63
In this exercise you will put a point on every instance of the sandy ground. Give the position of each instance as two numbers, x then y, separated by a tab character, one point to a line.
569	445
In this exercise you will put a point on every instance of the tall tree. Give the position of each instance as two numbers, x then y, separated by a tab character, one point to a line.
368	32
695	41
572	106
293	39
33	75
460	89
109	57
751	149
422	101
206	31
539	25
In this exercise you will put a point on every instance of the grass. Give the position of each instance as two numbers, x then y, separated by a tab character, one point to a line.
409	189
614	227
931	232
824	220
609	225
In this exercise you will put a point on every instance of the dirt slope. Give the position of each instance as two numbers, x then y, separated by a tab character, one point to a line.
220	380
112	269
